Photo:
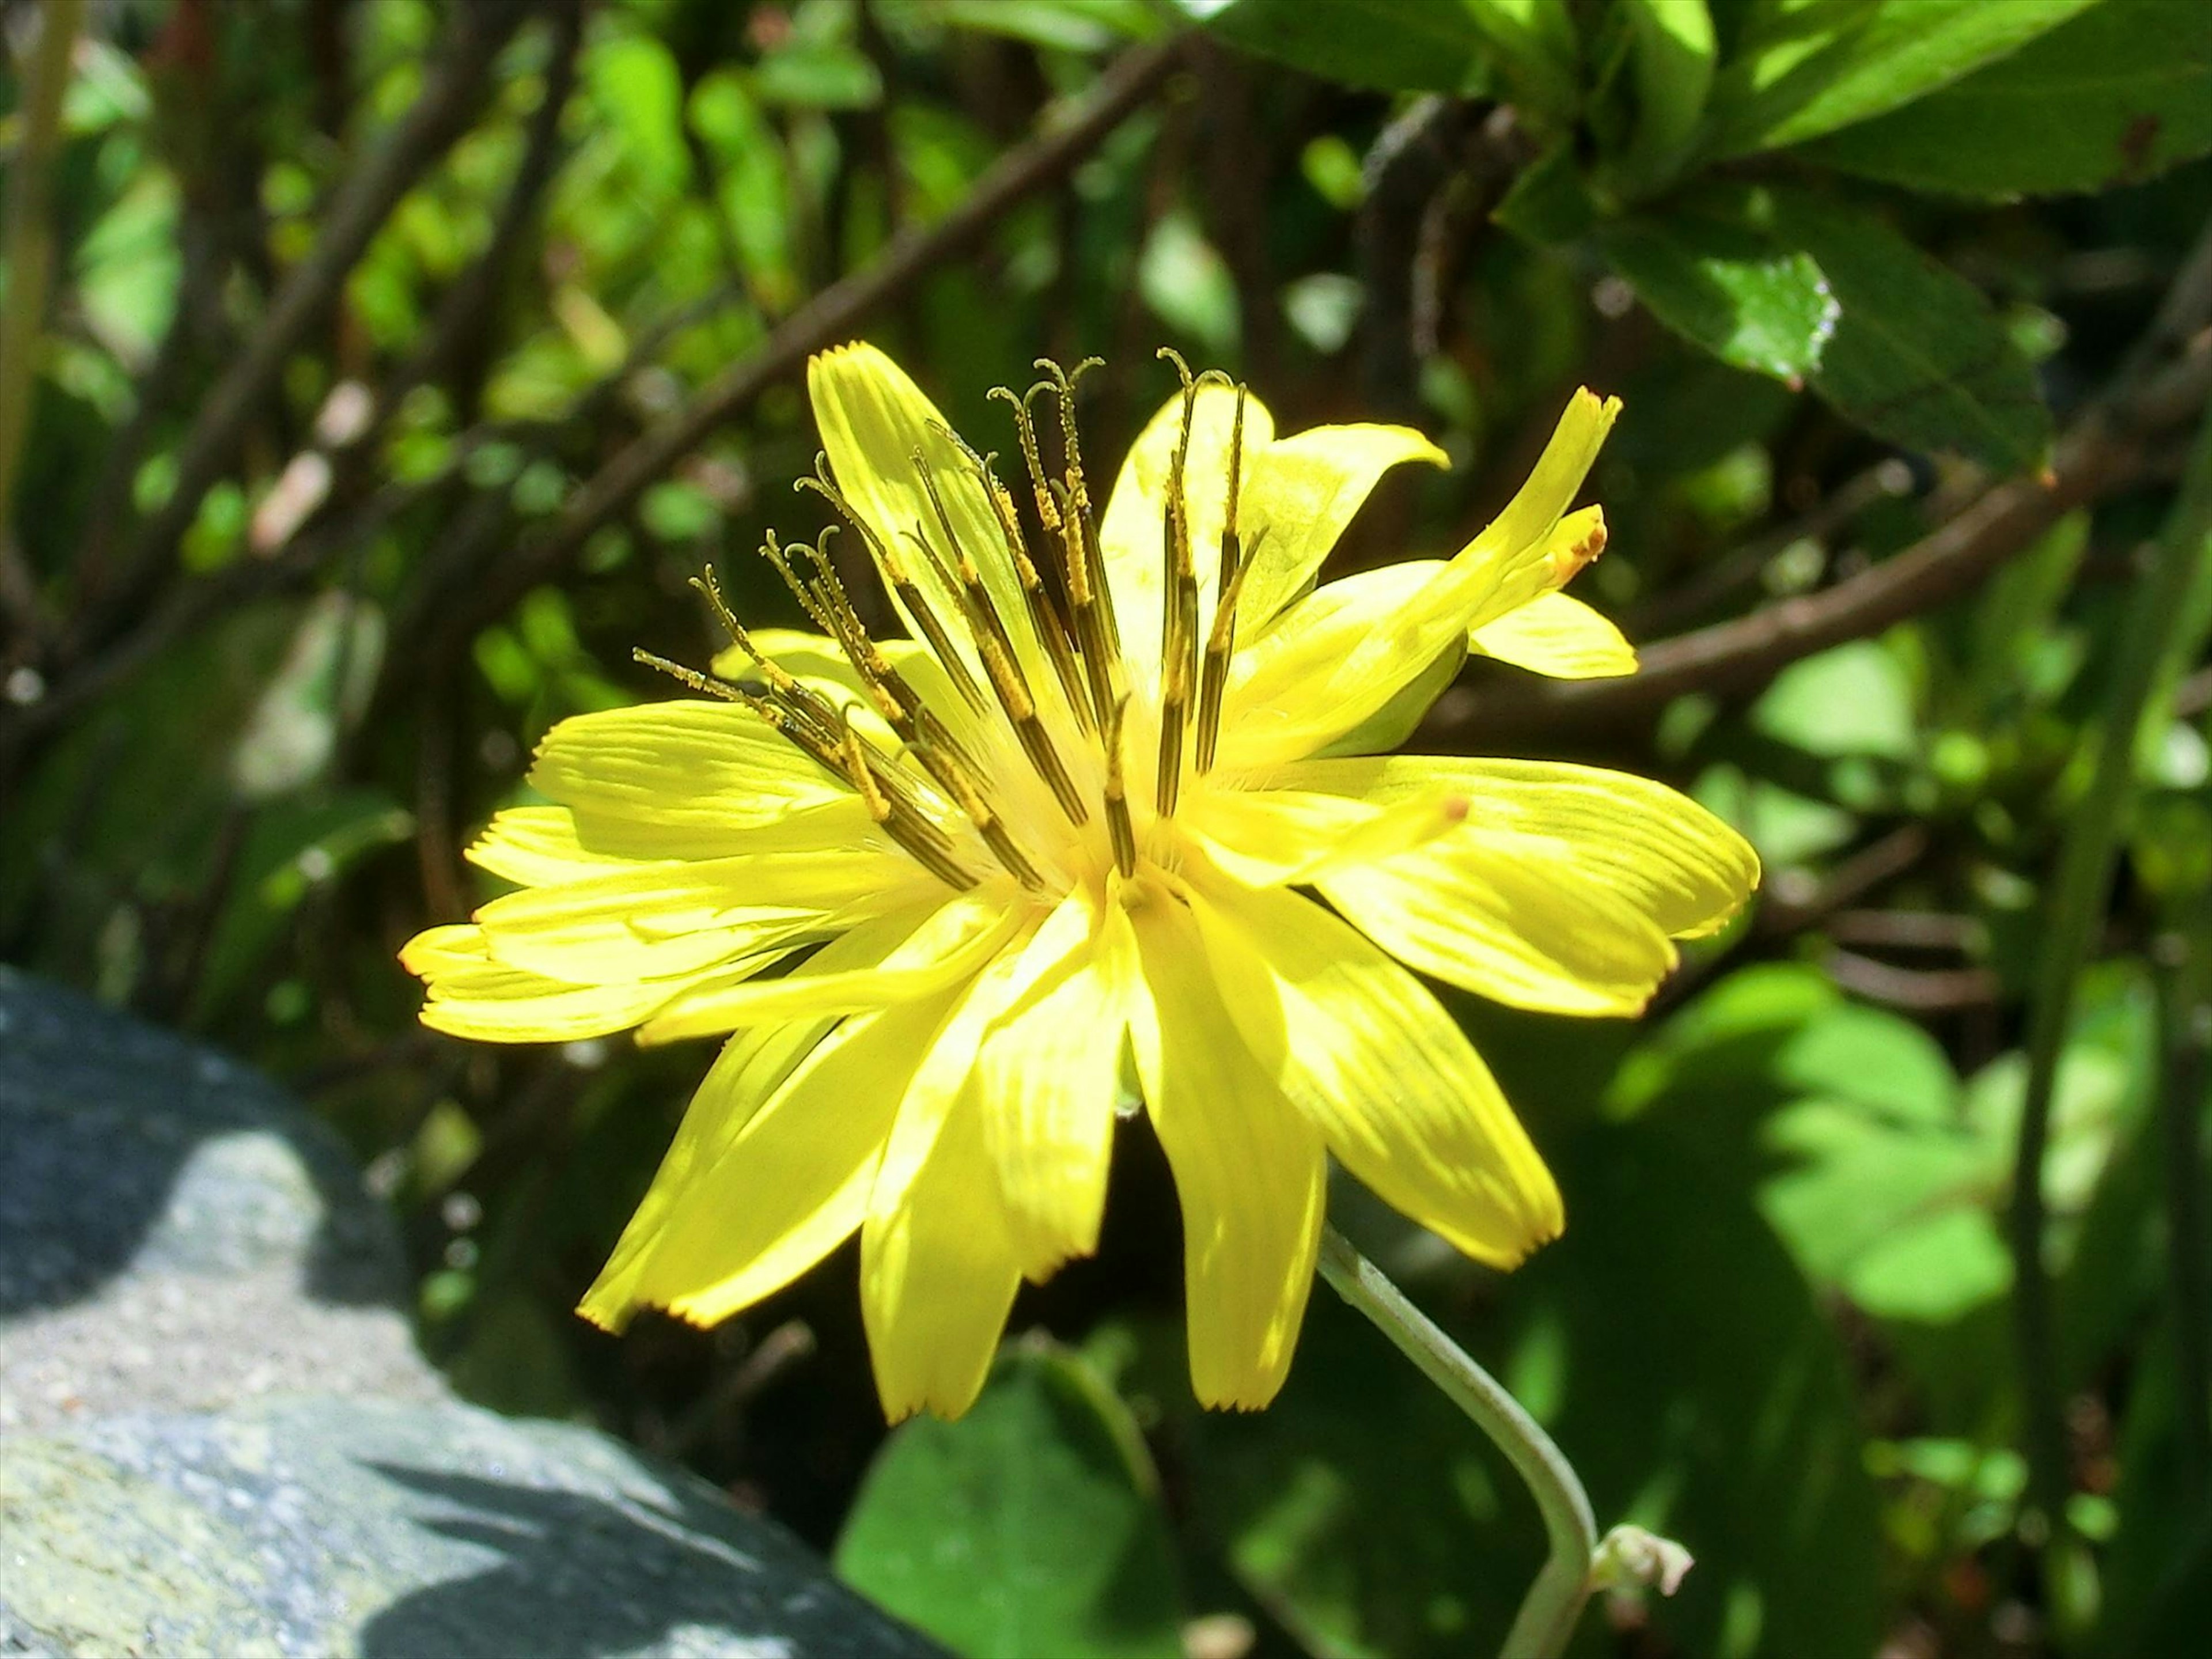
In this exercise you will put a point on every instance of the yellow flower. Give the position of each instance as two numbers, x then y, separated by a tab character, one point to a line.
1075	821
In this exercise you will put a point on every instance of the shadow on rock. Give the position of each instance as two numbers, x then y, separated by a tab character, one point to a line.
578	1575
132	1149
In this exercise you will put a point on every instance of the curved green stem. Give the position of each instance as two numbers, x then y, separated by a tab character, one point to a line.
1555	1601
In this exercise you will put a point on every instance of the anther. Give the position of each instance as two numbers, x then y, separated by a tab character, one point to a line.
1119	828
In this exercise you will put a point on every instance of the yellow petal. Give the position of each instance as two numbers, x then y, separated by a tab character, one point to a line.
659	920
1131	532
1275	837
1335	660
1048	1078
1560	890
1299	494
1685	867
1496	584
946	949
1249	1170
874	419
1543	500
1396	1089
537	845
751	1066
793	1183
682	779
937	1275
1332	660
1558	635
472	996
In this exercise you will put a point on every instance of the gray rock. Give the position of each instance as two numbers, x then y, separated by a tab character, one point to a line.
175	1233
329	1527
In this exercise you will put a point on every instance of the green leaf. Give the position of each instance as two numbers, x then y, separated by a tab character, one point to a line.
1806	67
819	75
1711	268
634	83
1852	700
1032	1525
1534	42
2118	94
1393	45
1410	46
1674	51
1917	356
1066	25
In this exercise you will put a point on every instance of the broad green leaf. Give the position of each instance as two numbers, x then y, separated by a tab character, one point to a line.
1393	45
1674	51
639	96
1032	1525
1917	355
2115	95
1370	1521
1711	268
1852	700
1806	67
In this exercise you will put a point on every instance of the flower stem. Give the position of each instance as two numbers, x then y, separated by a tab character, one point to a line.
1555	1601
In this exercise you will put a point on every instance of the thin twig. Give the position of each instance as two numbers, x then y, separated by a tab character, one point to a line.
2103	454
458	65
827	317
27	246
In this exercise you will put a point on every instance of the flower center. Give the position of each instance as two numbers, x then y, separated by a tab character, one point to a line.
1042	697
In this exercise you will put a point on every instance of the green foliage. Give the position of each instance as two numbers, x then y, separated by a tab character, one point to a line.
2113	95
1032	1525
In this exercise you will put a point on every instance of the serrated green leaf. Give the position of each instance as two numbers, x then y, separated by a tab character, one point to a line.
1032	1525
2114	96
1805	67
1711	268
1917	356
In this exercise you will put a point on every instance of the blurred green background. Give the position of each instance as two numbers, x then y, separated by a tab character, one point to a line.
372	375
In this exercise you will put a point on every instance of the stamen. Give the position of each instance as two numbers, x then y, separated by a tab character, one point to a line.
1179	605
1025	430
909	591
773	552
857	771
689	677
1036	742
1220	644
1119	828
987	822
1092	608
825	734
1044	615
1221	640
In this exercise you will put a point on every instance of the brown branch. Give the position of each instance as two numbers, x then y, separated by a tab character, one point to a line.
363	201
830	316
2105	453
